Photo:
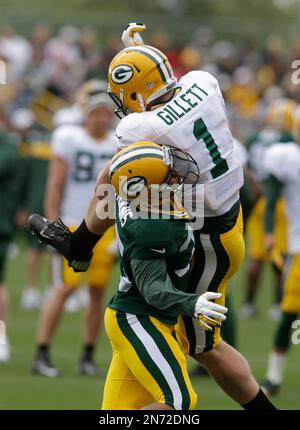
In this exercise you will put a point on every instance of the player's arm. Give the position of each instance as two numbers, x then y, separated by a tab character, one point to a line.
157	289
76	247
272	193
93	220
58	171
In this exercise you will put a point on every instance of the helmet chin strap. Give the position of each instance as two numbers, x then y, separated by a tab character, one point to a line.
141	102
121	95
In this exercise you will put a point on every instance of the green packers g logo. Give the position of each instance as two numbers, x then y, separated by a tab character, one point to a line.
121	74
134	186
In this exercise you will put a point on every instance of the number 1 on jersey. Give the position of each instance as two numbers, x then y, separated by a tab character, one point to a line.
200	132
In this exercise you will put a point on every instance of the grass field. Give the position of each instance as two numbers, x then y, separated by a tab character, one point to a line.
21	390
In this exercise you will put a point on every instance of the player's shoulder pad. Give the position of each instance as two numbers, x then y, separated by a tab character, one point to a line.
65	131
200	75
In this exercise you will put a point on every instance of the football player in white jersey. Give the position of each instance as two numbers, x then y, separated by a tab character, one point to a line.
282	163
279	117
79	153
189	115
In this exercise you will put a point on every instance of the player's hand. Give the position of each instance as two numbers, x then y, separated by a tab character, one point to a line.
269	242
131	35
59	237
208	313
21	218
277	259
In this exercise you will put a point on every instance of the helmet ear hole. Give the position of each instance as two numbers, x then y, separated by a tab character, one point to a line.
133	96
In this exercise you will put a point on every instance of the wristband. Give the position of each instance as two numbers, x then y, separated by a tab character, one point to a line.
83	241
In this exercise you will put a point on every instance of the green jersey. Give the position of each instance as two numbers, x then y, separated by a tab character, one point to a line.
36	164
155	258
10	179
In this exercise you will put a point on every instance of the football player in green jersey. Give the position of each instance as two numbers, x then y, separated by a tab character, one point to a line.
35	149
149	363
9	196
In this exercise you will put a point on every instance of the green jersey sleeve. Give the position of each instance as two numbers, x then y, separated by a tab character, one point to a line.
156	287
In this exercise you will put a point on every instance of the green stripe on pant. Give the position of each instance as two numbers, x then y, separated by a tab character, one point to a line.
145	357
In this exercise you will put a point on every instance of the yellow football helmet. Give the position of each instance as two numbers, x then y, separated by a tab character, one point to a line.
280	114
296	124
137	76
144	164
91	94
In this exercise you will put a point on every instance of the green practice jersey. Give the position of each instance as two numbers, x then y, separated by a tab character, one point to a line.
10	179
36	164
156	257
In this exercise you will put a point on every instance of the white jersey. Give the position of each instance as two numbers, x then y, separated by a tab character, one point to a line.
283	162
194	121
257	146
86	158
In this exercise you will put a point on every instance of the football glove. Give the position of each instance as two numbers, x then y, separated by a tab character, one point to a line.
131	35
207	312
58	235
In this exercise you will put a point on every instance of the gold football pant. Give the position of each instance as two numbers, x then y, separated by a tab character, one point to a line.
148	364
255	230
99	271
291	285
217	258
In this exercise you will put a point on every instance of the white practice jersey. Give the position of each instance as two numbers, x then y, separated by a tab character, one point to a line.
86	158
283	162
194	121
258	144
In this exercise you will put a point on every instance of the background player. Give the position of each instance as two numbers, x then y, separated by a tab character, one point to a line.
10	168
79	153
278	128
34	146
282	163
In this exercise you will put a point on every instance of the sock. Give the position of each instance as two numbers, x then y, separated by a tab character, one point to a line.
88	351
250	296
275	367
43	351
259	403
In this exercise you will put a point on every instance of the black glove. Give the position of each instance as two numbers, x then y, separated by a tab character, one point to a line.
58	235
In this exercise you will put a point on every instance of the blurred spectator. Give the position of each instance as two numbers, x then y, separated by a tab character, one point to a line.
16	51
45	72
9	197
